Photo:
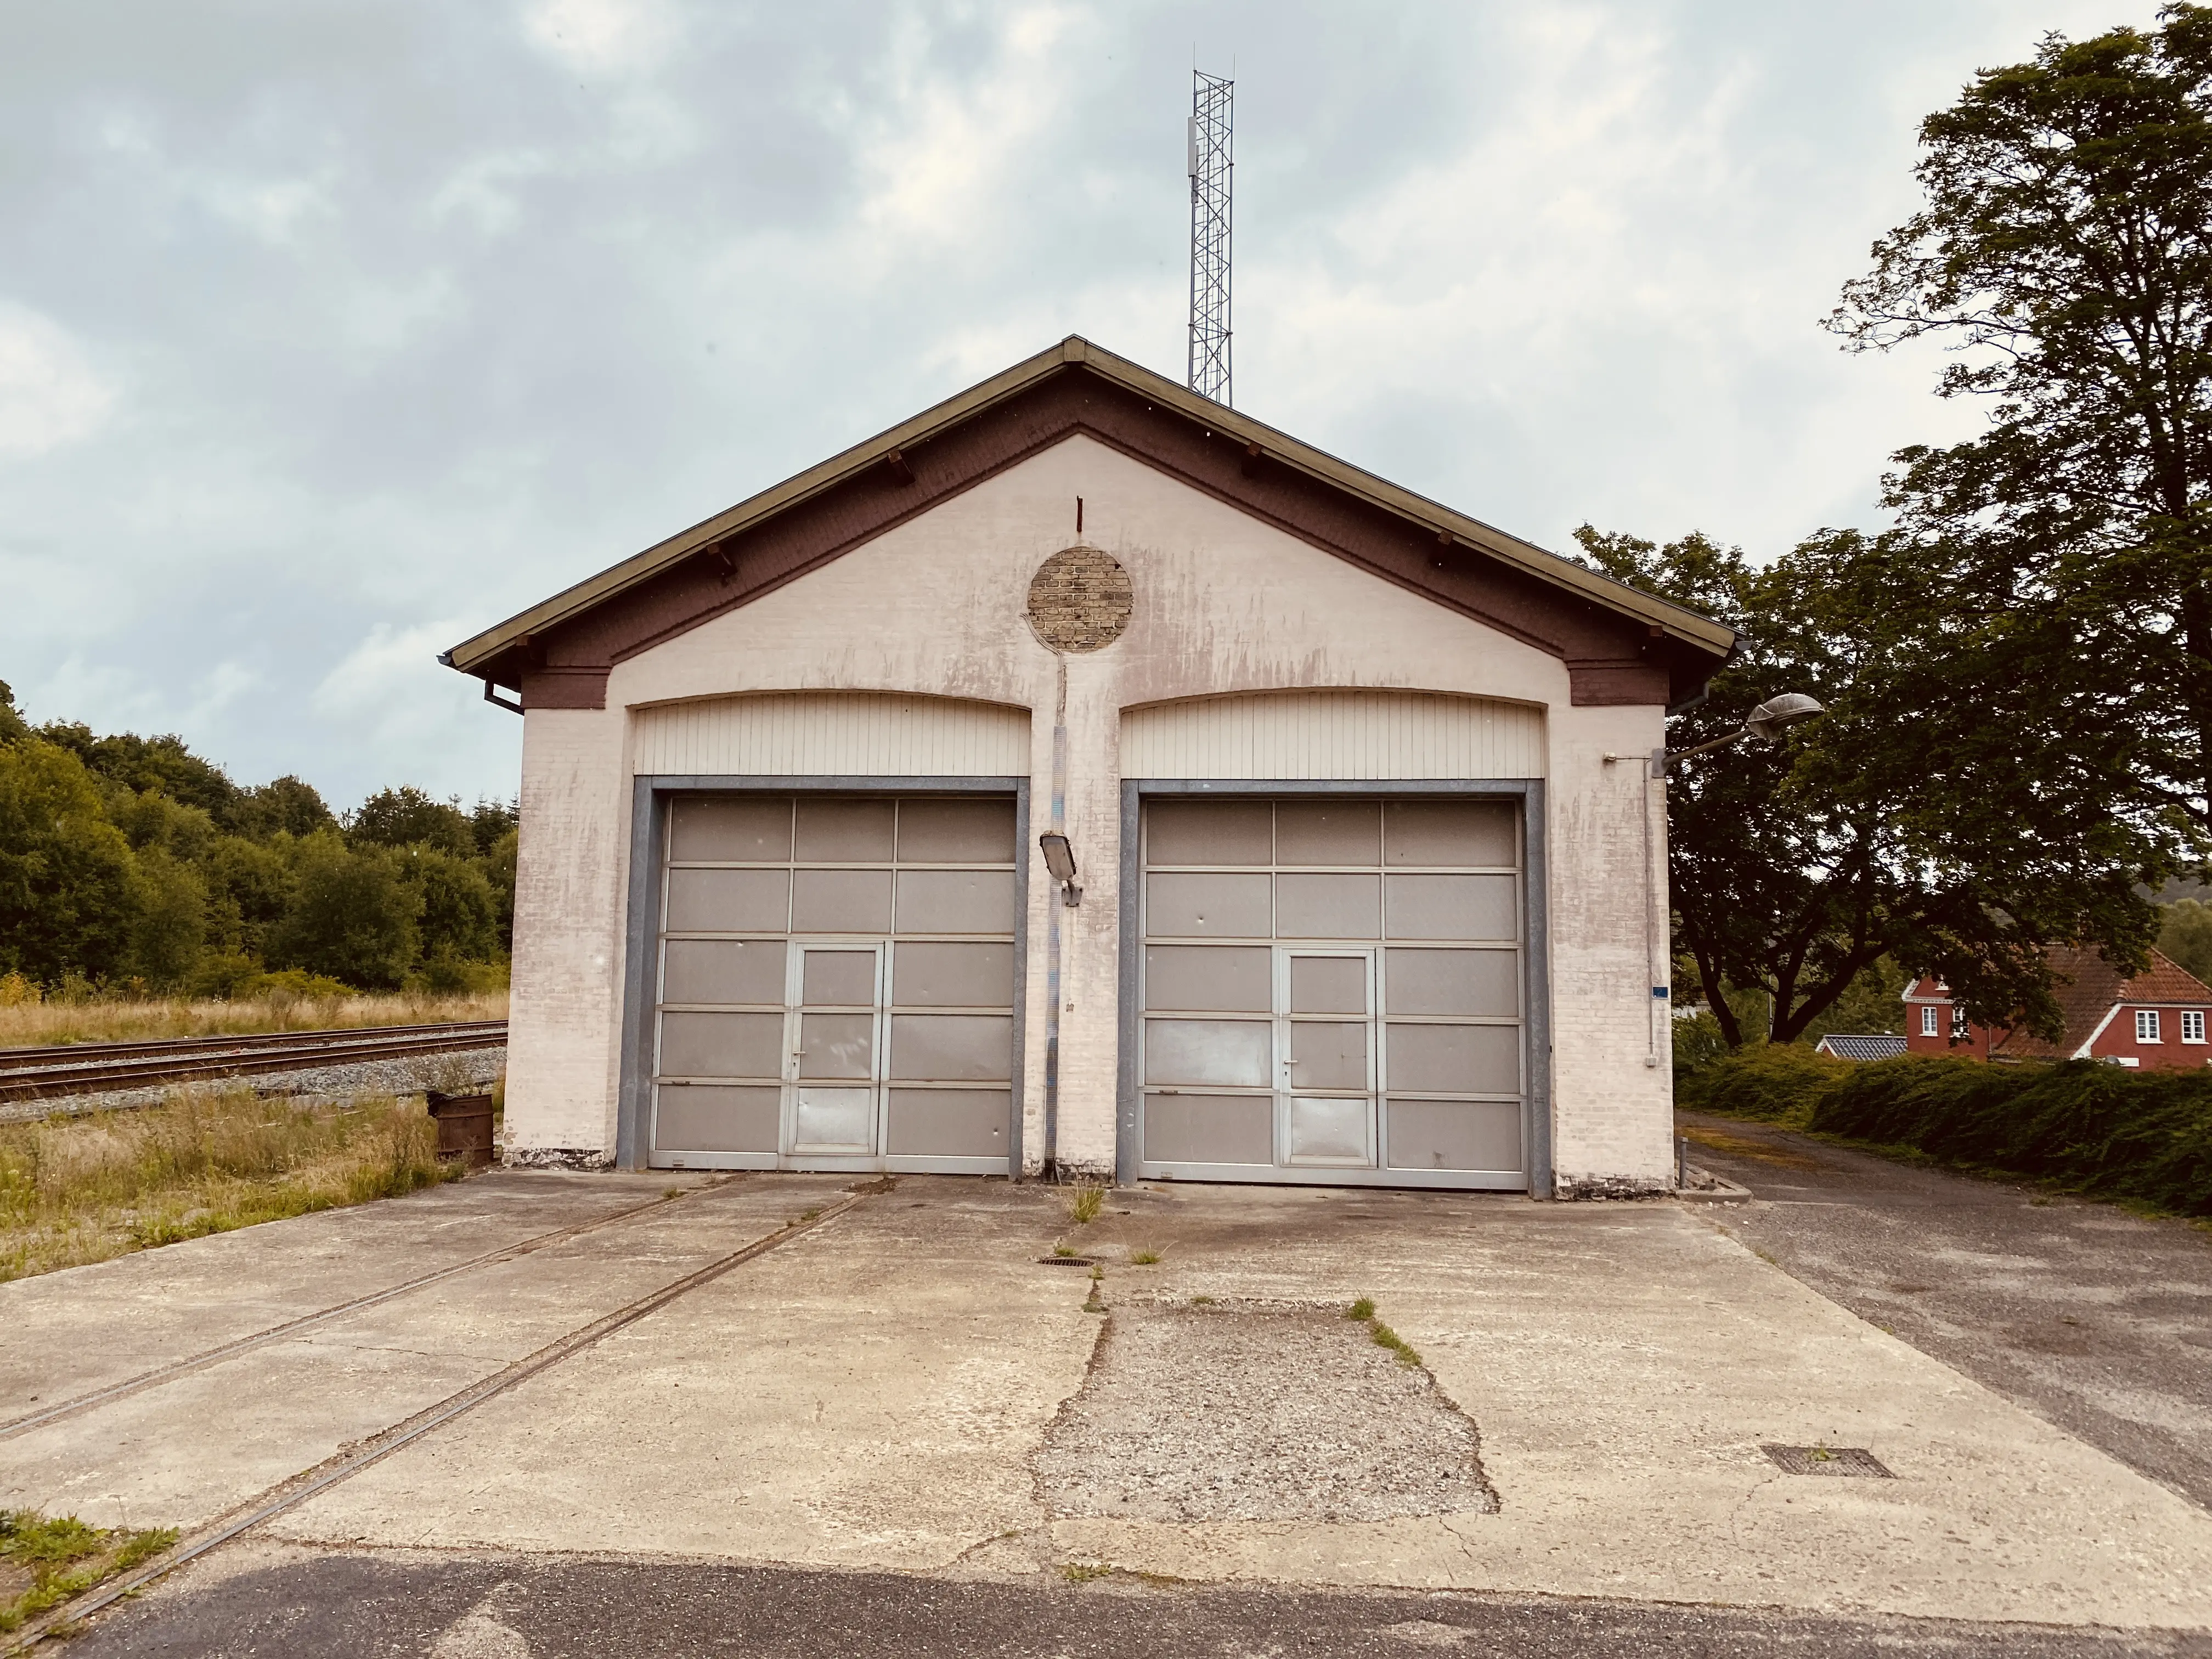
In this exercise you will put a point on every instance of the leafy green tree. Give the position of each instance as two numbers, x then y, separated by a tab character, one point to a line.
406	817
250	888
354	916
283	806
2065	253
170	928
499	866
2184	934
492	822
1943	813
70	895
12	727
461	912
163	764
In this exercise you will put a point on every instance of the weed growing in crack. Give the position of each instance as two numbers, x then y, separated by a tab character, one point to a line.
1144	1258
1382	1334
1362	1309
1082	1573
1084	1203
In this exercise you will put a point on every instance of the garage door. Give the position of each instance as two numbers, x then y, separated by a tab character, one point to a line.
1333	990
835	983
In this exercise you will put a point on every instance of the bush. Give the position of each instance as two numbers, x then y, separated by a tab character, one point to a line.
2092	1127
1783	1082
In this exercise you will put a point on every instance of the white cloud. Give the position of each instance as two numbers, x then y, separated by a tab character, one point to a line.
614	36
49	394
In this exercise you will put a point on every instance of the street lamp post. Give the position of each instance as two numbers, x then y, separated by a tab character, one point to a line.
1765	722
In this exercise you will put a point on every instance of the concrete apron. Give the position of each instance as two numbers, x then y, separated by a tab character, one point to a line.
870	1395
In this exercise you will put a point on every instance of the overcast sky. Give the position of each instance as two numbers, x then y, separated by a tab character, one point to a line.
332	332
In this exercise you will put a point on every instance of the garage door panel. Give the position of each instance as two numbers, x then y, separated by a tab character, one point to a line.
1192	905
1484	984
716	1117
1203	979
1209	1129
833	830
841	902
731	832
1452	907
721	1045
930	975
1328	907
1465	1059
1328	985
1208	1051
723	970
1209	832
729	901
952	1048
950	1122
1455	1134
1444	834
1327	832
956	902
955	832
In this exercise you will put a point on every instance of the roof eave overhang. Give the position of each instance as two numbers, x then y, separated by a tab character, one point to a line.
477	654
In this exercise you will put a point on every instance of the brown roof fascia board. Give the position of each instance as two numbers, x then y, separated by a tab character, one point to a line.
889	453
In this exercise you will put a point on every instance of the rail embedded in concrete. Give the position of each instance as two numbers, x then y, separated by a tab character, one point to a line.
96	1067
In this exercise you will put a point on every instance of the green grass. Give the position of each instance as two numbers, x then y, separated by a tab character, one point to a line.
64	1558
1085	1202
85	1189
1380	1335
1144	1258
1083	1572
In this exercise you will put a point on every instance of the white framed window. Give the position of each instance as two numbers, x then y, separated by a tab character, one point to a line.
2192	1025
1959	1031
2147	1025
1928	1025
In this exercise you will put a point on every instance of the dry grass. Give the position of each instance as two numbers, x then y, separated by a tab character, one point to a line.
33	1025
79	1189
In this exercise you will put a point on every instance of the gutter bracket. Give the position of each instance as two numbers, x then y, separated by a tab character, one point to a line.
492	697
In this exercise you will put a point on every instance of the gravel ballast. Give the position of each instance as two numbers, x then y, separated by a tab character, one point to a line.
1249	1411
465	1067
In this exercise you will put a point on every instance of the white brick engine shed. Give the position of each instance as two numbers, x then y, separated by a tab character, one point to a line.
1369	872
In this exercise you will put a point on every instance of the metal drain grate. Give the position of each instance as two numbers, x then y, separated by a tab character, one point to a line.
1850	1461
1067	1261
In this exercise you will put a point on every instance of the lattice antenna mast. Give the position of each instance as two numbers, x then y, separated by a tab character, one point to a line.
1213	171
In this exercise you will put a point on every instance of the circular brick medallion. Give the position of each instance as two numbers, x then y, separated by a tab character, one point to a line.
1080	599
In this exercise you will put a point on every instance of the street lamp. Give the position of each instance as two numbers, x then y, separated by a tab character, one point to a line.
1765	723
1059	862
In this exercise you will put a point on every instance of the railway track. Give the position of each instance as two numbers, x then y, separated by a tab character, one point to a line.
81	1068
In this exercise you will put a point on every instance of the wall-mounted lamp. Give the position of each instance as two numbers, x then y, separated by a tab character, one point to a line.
1766	722
1059	860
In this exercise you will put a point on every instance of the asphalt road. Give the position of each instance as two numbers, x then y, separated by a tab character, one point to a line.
2098	1320
352	1607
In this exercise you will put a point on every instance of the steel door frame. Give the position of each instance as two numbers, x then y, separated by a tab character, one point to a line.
650	798
1535	968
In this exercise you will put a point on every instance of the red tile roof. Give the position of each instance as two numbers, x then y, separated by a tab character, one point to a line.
2089	988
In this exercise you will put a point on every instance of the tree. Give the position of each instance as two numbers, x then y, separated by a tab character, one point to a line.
163	764
2066	250
1943	812
69	892
460	913
354	916
406	817
283	806
2184	934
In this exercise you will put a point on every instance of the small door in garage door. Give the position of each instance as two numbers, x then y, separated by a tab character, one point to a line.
1333	990
835	983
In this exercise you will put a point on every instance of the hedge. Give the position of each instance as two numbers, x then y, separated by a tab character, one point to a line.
2088	1127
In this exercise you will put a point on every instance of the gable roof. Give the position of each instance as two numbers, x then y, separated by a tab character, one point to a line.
1634	647
1879	1045
2089	989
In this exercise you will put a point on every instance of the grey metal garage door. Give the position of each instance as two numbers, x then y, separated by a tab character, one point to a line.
836	984
1333	990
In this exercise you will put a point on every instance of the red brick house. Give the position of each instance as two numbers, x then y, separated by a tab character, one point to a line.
2157	1019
